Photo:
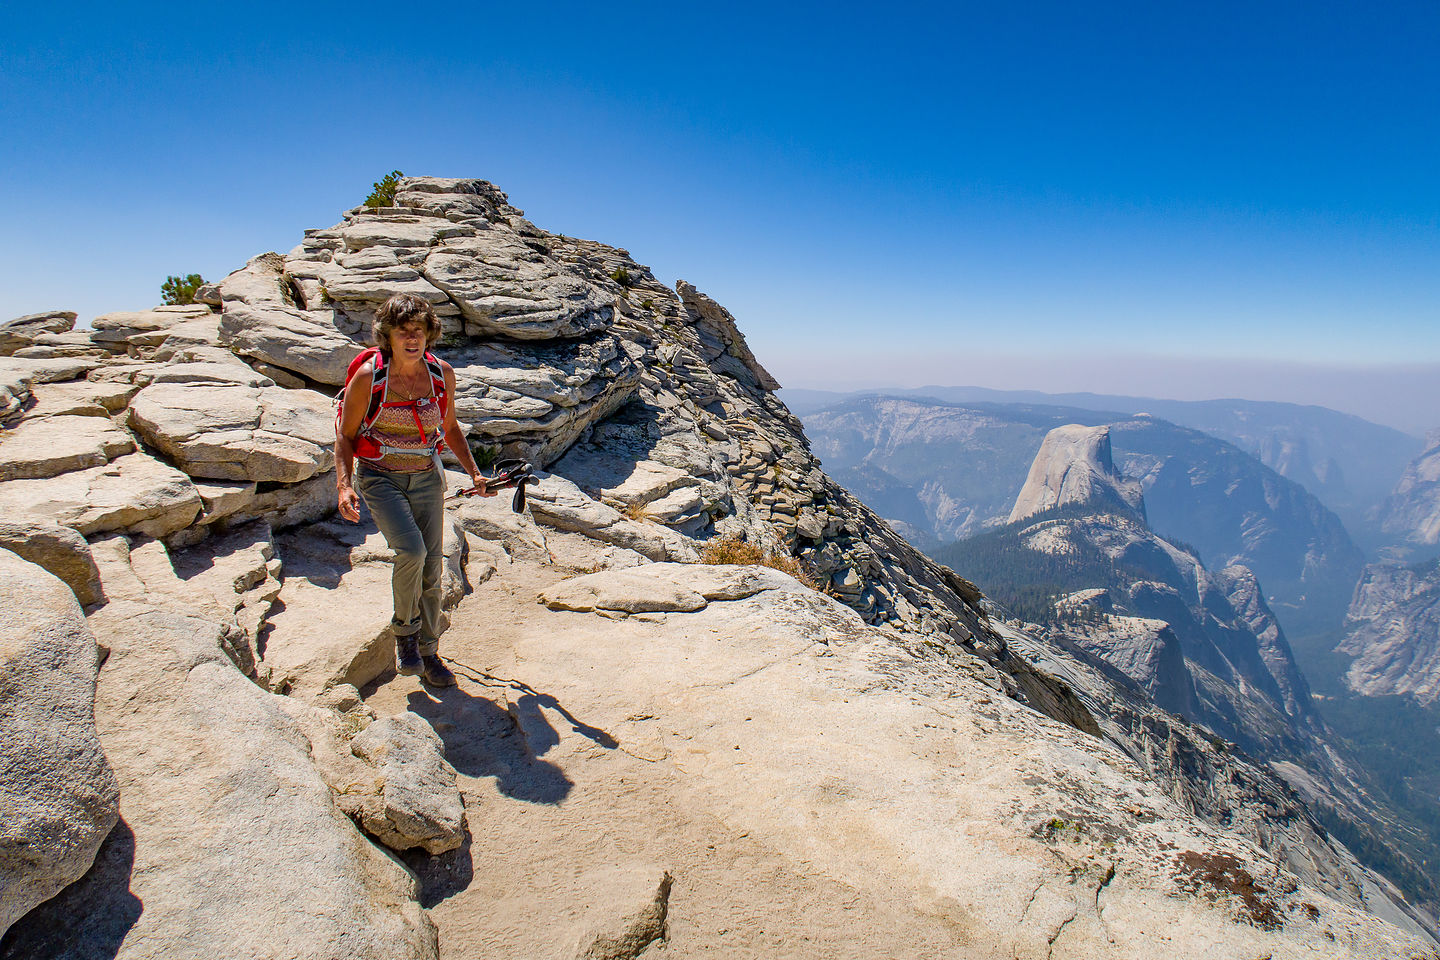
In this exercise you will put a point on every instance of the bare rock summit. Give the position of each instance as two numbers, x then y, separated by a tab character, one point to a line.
1074	467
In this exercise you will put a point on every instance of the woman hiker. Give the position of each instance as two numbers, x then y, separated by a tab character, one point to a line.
394	423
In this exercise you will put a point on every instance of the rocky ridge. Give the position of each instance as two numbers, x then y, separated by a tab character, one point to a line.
234	612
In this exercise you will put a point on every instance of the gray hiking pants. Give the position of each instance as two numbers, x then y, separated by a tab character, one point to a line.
409	509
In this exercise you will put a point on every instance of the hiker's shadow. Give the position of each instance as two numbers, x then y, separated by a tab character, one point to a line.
540	733
483	740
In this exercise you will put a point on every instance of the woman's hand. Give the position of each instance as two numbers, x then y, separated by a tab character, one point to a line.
481	488
349	503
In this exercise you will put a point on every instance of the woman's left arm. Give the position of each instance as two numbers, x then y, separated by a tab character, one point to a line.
455	437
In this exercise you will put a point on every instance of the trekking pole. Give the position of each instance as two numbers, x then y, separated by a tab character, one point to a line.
508	473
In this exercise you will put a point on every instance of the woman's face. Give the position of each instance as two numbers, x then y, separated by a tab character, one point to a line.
408	341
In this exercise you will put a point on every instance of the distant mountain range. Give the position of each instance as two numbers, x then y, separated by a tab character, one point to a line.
1078	531
1349	463
944	471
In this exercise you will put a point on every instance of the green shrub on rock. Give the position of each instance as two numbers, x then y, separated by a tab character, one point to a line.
384	193
179	291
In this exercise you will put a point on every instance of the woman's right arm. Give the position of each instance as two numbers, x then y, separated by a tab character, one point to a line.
352	415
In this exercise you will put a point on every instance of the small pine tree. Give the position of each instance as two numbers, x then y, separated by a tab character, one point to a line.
178	291
384	193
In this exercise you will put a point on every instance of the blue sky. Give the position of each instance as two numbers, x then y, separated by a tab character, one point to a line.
1052	196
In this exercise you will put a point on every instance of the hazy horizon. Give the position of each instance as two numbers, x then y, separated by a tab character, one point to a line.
1399	396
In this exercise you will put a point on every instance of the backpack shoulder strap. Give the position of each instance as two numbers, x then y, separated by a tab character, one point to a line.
376	360
377	388
437	372
437	379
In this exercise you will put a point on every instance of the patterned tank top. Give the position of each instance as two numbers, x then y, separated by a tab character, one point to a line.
406	431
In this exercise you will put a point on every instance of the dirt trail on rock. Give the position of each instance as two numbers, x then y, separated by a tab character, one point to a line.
553	802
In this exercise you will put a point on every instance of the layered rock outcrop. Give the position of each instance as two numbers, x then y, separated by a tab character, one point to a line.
60	550
23	331
134	492
243	432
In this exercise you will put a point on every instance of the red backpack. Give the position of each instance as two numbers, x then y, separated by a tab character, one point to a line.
367	447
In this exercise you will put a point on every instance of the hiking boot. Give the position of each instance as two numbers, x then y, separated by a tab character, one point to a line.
436	673
407	657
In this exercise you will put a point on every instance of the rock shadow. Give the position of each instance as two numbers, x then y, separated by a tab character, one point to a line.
262	638
482	740
89	919
616	445
443	875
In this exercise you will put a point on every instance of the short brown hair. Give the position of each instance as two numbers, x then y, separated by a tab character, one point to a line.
402	310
